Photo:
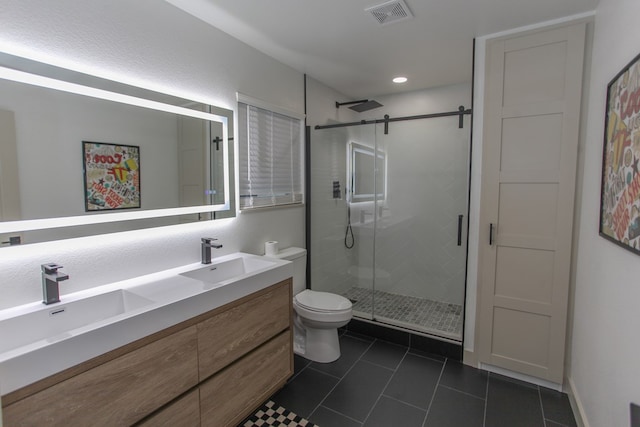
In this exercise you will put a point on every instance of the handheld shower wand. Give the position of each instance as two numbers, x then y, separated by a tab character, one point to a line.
349	230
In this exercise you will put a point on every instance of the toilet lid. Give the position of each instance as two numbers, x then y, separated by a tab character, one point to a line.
322	301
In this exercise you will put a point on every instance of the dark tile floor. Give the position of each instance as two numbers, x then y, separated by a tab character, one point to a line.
376	383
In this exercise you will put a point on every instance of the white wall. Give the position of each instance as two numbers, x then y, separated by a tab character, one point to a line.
158	46
604	369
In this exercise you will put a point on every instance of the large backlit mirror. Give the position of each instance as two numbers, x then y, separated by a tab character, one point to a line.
80	155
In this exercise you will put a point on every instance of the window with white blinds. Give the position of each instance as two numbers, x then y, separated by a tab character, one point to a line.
270	157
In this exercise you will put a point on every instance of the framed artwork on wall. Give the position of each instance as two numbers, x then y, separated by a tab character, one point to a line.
620	191
111	176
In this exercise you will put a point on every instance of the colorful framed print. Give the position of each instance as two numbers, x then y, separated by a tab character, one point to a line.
620	191
111	176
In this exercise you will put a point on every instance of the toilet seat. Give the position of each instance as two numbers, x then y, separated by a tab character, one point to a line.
323	302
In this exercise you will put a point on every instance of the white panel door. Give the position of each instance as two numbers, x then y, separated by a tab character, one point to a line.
532	109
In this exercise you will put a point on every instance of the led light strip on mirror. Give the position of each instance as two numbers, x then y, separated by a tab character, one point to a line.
50	83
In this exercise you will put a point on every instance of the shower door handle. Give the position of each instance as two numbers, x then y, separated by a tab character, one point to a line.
460	229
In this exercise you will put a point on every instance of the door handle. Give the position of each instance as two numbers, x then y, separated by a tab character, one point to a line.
460	229
491	234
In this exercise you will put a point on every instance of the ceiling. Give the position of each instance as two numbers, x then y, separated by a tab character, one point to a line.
341	45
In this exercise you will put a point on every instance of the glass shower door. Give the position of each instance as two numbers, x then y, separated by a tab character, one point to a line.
342	233
420	225
388	221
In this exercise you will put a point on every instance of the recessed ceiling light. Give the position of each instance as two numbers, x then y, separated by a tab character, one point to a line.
399	79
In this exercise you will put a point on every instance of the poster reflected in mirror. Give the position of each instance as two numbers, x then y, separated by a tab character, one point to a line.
620	192
111	176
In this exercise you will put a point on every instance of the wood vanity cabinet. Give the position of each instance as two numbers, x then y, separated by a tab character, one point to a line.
118	392
184	412
232	333
212	370
228	397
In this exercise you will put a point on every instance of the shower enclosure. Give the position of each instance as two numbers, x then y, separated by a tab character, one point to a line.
388	219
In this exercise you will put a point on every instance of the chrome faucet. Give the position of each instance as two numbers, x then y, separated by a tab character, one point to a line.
50	279
206	249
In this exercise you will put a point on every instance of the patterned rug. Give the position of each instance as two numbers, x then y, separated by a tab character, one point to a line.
273	415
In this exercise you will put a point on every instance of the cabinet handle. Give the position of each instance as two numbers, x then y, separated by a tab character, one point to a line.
460	229
491	234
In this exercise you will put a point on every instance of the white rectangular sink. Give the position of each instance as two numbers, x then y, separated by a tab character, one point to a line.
51	321
225	270
39	340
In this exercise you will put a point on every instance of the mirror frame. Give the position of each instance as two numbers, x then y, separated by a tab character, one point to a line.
19	69
380	156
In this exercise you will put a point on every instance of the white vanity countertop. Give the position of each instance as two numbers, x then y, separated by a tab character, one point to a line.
173	298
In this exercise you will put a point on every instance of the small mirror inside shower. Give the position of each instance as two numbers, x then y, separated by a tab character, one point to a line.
366	173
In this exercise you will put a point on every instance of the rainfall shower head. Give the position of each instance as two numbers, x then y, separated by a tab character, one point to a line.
366	106
360	106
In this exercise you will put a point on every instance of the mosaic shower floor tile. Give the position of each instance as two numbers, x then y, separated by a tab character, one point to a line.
420	314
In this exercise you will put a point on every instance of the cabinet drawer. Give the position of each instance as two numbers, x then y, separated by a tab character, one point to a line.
184	412
118	392
228	397
232	333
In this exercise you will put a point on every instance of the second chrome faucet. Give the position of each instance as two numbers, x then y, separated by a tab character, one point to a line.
207	244
50	279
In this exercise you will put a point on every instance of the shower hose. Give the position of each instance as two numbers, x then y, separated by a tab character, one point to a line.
348	231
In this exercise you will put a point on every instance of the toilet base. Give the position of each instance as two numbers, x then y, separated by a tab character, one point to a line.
320	345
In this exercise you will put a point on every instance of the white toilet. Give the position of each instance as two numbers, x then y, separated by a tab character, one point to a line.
317	315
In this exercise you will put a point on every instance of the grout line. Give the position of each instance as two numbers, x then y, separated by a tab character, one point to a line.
358	336
385	386
343	377
461	392
295	374
424	356
544	421
402	401
435	390
339	413
486	401
325	373
381	366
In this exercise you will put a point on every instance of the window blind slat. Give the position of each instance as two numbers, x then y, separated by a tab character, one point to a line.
270	152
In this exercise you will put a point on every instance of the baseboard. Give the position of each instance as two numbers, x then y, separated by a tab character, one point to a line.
522	377
469	358
576	404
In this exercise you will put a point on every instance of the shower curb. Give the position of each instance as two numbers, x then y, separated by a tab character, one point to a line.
416	342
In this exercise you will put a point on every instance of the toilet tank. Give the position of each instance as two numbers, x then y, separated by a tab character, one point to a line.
299	258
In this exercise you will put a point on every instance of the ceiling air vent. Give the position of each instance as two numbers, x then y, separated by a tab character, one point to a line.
390	12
